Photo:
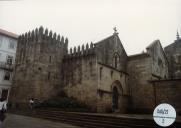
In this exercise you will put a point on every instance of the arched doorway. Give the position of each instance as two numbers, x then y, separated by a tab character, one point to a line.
117	92
115	98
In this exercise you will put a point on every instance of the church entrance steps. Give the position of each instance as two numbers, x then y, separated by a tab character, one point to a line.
96	120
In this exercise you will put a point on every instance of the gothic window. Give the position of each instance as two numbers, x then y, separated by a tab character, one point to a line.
115	60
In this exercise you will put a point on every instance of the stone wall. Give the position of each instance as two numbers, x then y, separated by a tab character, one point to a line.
81	72
173	52
108	77
159	62
38	66
152	65
168	91
139	69
80	78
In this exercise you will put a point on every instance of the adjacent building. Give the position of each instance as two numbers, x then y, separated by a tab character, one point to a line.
173	52
8	42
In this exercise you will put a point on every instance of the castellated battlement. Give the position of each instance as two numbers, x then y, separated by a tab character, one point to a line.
39	60
84	50
39	35
39	43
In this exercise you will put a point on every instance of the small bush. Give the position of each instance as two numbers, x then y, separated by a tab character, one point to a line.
64	103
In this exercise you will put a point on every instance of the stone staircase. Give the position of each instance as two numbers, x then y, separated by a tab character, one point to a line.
94	120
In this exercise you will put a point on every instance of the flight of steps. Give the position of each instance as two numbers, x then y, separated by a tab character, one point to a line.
90	120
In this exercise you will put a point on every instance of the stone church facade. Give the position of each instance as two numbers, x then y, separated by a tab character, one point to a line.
100	74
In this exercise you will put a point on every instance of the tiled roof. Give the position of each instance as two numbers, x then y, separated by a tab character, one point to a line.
107	38
138	56
10	34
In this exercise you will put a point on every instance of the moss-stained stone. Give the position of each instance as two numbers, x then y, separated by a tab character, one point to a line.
101	74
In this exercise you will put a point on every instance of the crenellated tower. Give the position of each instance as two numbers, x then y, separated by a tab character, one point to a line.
38	65
32	46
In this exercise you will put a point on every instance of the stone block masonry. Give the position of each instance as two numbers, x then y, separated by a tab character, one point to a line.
38	65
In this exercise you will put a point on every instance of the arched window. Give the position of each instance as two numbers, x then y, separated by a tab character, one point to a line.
115	60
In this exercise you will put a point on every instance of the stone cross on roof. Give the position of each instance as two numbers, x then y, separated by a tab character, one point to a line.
115	30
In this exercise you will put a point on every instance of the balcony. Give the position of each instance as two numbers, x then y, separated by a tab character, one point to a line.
6	66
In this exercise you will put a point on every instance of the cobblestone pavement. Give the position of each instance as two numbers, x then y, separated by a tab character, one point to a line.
18	121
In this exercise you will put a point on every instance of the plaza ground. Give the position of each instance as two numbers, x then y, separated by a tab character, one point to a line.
18	121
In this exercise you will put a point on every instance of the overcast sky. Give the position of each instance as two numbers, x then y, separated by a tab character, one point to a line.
139	22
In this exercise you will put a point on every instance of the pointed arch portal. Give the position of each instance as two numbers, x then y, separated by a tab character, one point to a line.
115	97
117	92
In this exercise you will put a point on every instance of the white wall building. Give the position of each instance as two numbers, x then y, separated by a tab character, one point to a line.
8	43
